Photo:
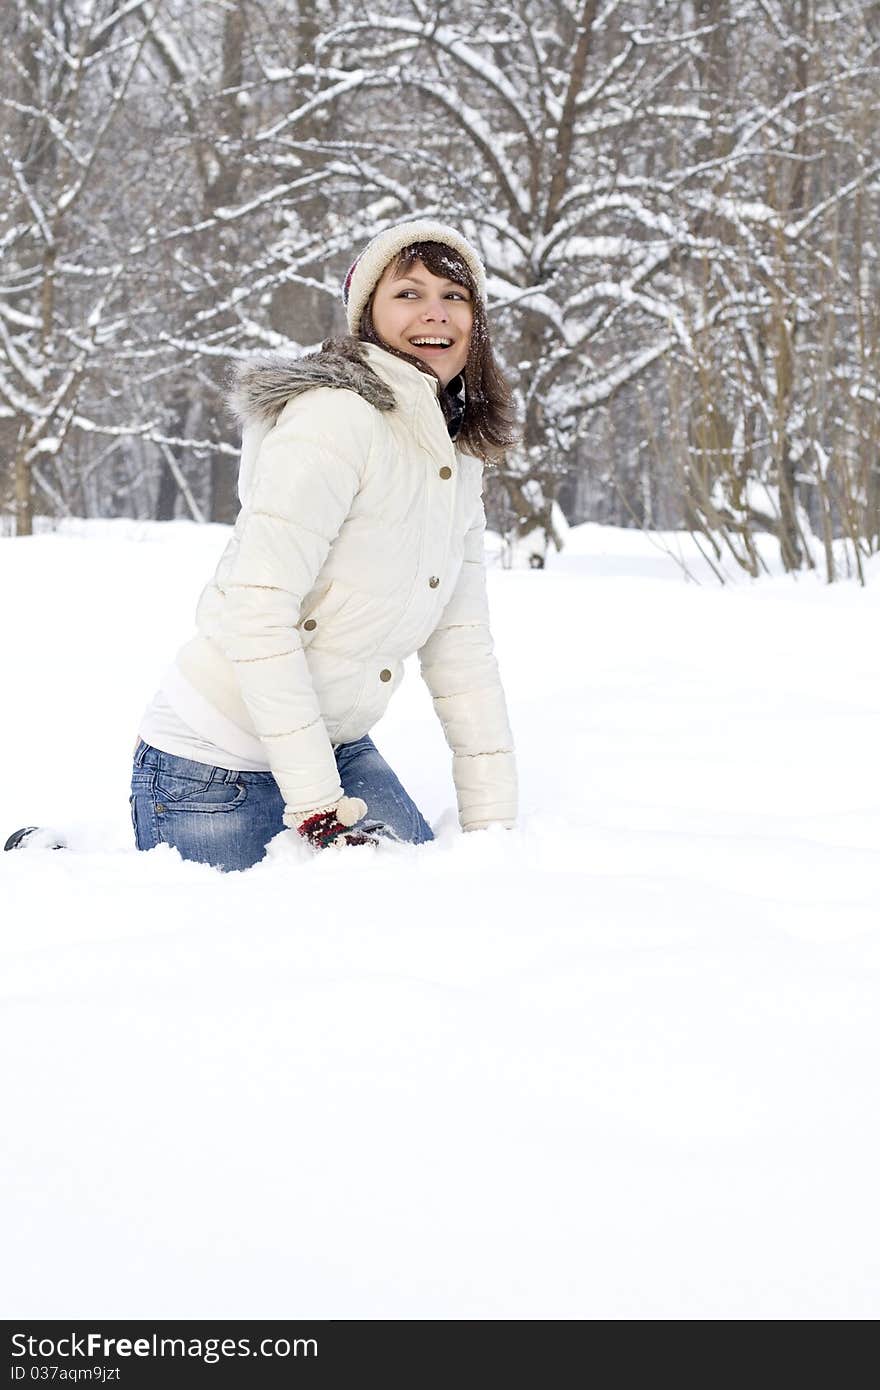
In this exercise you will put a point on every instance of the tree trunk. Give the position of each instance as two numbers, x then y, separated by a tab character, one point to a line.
166	497
24	505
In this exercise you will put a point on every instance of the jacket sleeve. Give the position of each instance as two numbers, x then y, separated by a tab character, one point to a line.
461	672
306	476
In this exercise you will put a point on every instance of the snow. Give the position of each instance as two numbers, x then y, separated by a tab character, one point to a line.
619	1062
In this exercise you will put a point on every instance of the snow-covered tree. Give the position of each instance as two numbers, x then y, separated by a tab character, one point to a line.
677	204
65	72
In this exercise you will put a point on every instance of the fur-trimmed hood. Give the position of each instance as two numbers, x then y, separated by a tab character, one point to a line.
261	386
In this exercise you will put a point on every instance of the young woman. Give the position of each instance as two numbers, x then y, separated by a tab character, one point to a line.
359	542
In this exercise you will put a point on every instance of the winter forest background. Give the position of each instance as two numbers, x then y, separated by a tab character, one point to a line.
677	204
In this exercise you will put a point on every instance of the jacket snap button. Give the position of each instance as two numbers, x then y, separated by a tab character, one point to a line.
445	471
433	581
385	675
310	624
159	808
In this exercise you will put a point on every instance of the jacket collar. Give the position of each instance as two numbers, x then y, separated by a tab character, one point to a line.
405	380
262	385
415	394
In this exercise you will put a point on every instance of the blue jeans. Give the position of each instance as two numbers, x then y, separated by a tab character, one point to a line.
227	818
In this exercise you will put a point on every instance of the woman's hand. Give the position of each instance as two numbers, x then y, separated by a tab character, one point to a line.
334	824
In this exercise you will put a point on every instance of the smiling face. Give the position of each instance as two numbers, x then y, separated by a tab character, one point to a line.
426	316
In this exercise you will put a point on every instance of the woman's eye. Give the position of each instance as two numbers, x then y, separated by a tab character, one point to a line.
451	294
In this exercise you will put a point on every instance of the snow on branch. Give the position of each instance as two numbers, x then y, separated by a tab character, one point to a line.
455	45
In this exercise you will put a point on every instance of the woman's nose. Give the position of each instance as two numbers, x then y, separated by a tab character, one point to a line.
435	309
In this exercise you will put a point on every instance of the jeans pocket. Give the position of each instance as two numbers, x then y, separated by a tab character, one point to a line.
193	796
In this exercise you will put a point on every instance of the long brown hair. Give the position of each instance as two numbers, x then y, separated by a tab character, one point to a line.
488	426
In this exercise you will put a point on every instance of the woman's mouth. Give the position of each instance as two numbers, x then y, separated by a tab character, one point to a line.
430	343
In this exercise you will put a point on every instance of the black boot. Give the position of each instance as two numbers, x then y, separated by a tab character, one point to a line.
34	837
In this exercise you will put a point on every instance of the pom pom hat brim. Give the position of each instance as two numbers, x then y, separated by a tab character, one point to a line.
365	273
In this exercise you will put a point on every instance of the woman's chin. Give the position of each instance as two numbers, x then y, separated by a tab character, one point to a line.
439	362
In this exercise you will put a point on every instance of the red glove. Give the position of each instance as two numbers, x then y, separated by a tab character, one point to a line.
334	825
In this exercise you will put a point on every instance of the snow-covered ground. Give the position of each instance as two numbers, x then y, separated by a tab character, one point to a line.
619	1062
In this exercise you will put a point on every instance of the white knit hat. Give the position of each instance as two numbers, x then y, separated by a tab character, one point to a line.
365	273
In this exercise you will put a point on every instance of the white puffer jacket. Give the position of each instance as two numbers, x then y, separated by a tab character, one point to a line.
359	542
